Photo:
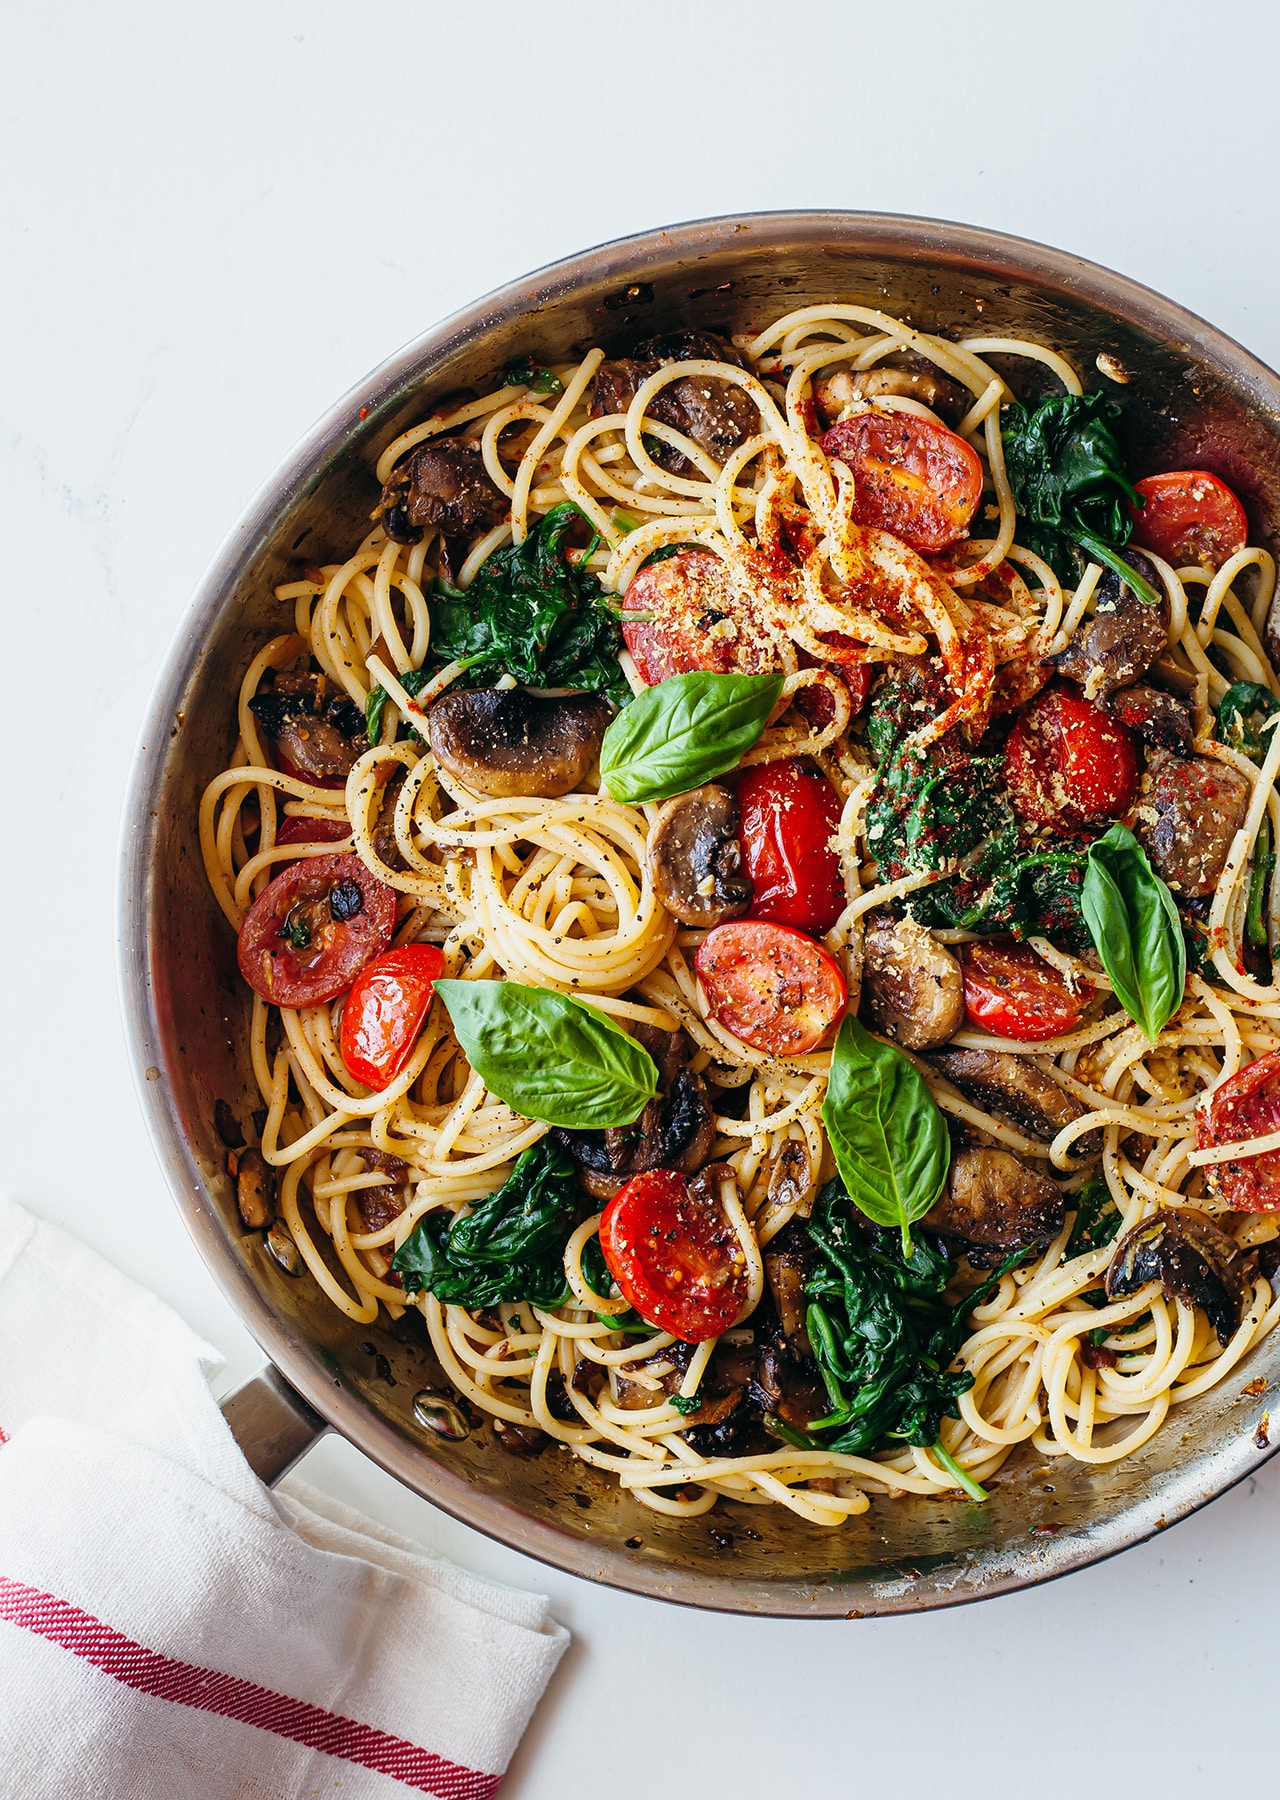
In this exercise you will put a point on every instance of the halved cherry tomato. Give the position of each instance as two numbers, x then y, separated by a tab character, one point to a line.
697	622
675	1255
1189	517
308	935
789	813
911	477
1013	993
1246	1106
386	1009
1067	764
770	986
295	830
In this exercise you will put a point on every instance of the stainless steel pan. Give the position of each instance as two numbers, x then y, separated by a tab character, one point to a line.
1195	397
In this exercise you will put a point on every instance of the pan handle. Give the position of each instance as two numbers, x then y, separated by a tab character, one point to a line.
273	1425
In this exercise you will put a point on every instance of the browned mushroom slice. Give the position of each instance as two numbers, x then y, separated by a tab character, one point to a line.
1157	717
716	414
1191	1259
912	984
694	857
788	1261
1189	811
505	741
321	734
994	1200
255	1191
904	375
442	483
1015	1088
1123	638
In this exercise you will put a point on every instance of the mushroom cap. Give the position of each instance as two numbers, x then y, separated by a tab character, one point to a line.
509	741
912	984
1190	1258
694	858
994	1199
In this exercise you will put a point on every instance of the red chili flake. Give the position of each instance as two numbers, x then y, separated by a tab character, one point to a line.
364	412
1045	1530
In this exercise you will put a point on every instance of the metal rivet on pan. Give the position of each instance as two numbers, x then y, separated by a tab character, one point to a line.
441	1416
284	1251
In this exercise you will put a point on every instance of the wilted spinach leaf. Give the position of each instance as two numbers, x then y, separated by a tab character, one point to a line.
1097	1219
508	1247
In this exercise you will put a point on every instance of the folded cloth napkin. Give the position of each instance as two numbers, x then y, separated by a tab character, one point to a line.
169	1629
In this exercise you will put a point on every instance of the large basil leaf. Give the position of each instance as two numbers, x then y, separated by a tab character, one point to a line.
686	730
549	1057
1135	928
510	1246
888	1138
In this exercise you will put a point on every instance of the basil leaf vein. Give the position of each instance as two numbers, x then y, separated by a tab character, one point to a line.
686	730
889	1140
550	1057
1134	924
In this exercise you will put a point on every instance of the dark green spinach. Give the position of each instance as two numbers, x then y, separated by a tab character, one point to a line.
537	377
1097	1219
1069	484
882	1335
1242	715
508	1247
1134	922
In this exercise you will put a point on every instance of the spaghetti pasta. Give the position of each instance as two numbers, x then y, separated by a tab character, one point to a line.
557	892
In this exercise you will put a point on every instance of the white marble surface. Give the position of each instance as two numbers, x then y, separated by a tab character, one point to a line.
214	221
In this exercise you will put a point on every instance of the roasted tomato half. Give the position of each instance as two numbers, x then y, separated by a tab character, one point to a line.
1246	1106
1012	992
308	935
1189	516
770	986
386	1009
911	477
789	813
295	830
672	1249
692	620
1069	765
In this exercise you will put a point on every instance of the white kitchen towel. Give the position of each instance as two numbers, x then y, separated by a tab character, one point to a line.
169	1629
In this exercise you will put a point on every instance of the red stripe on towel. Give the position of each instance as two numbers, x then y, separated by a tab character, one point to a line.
187	1684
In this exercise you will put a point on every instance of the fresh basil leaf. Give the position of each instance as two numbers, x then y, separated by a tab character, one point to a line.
1135	928
889	1140
549	1057
686	730
510	1246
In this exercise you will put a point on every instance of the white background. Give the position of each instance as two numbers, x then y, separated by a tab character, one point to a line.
215	220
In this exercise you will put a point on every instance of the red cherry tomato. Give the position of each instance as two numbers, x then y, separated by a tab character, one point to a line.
675	1256
911	477
386	1010
1246	1106
308	935
1189	517
1013	993
294	830
697	621
789	814
1067	764
770	986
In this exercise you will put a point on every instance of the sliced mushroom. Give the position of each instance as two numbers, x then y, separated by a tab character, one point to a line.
652	1379
912	984
1167	673
675	1131
321	733
444	483
694	857
993	1199
1018	1090
1191	1259
788	1261
716	414
510	741
904	375
1189	811
1153	715
255	1191
1123	638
